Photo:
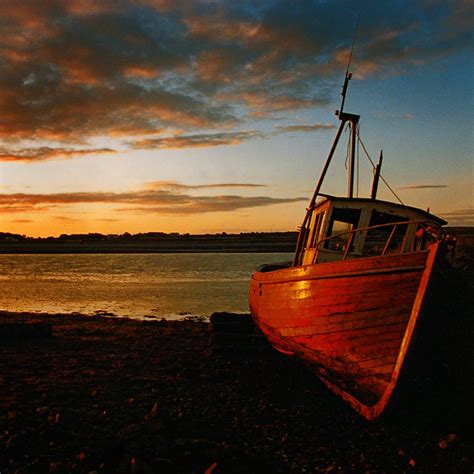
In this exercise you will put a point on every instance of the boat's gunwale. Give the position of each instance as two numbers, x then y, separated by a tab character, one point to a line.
317	270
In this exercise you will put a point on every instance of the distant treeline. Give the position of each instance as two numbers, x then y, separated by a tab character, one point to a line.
161	242
149	242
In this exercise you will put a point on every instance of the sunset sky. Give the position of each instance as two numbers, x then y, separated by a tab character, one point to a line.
210	116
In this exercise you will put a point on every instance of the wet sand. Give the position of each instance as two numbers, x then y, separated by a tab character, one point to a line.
117	395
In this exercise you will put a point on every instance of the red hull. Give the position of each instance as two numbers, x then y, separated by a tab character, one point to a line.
352	321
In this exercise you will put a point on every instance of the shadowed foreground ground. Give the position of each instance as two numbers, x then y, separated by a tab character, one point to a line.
116	395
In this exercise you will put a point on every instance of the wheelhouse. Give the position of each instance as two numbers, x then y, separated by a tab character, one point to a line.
340	228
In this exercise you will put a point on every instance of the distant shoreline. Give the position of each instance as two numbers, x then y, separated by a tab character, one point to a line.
157	242
151	243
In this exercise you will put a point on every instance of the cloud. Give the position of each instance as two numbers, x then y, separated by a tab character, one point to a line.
70	71
424	186
204	140
197	141
21	221
199	205
47	153
65	219
305	128
462	217
12	207
164	198
178	186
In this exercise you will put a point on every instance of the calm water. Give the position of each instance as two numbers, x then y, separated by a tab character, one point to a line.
134	285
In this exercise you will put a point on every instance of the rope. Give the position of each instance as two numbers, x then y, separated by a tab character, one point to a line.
373	165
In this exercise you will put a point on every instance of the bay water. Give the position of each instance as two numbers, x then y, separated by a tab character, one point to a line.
140	286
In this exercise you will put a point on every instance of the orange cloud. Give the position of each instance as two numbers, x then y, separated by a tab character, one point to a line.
72	70
47	153
217	27
161	199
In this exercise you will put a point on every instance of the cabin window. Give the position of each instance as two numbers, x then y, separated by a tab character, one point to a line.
343	220
317	220
387	237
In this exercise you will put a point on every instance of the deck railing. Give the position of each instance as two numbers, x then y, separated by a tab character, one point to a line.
384	245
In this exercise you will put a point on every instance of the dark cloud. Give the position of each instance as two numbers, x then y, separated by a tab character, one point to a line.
424	186
160	200
305	128
65	219
73	70
176	185
199	205
47	153
197	140
203	140
21	221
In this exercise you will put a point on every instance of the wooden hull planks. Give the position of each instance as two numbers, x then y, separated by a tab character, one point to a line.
351	321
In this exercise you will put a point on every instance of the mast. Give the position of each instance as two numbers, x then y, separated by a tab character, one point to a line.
351	118
344	118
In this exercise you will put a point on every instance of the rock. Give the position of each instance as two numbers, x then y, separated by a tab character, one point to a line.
223	317
448	441
211	468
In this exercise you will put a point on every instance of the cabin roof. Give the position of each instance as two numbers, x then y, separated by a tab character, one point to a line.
374	202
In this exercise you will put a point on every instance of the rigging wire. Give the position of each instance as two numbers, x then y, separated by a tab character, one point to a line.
353	44
381	177
348	147
357	158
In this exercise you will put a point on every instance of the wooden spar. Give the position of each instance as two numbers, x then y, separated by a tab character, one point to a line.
375	183
354	120
352	160
343	117
302	232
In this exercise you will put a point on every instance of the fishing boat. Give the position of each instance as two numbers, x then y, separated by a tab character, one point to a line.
350	302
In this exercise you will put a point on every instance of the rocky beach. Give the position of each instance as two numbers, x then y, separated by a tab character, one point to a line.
117	395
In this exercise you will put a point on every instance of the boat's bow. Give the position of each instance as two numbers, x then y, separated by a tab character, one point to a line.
352	321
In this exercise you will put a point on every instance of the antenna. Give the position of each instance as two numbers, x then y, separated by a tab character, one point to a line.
348	75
